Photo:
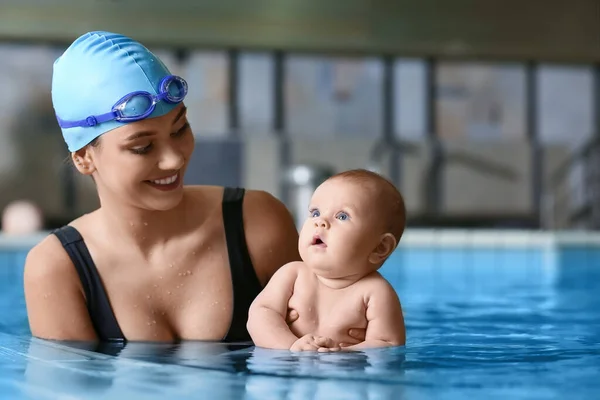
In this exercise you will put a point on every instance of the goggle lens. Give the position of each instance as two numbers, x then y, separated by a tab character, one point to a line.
135	106
174	89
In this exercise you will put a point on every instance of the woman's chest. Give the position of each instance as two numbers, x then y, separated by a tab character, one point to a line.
187	298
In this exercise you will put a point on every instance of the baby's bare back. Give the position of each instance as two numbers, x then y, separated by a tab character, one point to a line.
328	312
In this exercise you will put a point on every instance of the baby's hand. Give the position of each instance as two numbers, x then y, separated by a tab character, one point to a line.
315	343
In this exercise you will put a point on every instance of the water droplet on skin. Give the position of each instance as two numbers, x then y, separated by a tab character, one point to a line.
45	296
189	301
155	286
131	224
154	322
189	272
193	253
170	265
208	248
145	224
143	238
168	292
180	274
135	306
148	297
162	313
160	277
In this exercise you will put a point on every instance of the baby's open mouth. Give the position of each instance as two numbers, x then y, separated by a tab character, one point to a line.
317	241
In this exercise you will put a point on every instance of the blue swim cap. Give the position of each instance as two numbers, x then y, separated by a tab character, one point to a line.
95	72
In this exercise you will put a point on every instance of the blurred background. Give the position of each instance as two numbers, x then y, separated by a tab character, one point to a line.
486	114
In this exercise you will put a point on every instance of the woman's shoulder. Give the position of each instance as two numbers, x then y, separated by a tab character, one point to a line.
270	232
50	250
48	262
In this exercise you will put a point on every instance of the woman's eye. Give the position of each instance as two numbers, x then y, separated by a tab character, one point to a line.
141	149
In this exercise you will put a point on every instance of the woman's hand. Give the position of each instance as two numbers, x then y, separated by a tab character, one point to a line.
292	316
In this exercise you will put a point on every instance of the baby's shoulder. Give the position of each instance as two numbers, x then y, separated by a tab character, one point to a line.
376	283
291	268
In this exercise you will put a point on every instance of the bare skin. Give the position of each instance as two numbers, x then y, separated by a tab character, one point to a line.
336	287
162	256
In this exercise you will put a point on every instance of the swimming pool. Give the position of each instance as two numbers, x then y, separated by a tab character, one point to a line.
491	315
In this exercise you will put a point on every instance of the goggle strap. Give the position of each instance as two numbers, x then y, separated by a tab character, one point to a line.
90	121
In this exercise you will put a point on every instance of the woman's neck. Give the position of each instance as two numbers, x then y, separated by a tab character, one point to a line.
141	228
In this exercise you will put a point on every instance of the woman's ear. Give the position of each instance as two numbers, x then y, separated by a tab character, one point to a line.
83	161
386	246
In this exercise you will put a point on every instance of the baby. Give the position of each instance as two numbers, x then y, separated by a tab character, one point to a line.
356	219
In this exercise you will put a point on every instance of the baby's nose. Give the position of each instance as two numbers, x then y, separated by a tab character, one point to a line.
321	223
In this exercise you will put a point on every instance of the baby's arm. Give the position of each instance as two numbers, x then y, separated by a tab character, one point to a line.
266	319
385	321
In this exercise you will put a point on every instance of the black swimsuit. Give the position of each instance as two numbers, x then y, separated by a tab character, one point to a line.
246	285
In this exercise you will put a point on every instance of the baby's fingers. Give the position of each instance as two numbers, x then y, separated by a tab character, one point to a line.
322	341
304	347
328	349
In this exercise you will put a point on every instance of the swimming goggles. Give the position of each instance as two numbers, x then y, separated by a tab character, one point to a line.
136	105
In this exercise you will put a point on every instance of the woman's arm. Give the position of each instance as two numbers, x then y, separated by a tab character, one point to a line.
56	305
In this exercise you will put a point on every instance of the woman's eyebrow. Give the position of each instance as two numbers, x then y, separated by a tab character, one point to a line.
180	114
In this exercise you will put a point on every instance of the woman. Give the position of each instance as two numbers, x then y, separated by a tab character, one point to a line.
158	261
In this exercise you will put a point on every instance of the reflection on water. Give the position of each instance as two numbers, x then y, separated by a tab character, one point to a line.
214	369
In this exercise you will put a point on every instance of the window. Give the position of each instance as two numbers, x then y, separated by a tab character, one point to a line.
256	92
208	97
480	101
565	98
410	93
333	97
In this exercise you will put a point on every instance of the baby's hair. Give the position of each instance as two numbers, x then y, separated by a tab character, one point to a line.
388	197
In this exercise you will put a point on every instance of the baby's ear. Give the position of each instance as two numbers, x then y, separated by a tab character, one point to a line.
386	246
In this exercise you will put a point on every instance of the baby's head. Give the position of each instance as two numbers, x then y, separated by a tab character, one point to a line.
356	219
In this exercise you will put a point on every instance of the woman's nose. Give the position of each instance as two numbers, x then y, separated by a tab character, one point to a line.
171	159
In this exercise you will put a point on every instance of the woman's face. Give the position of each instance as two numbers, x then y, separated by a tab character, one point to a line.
142	163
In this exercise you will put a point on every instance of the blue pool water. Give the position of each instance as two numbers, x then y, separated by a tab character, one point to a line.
483	321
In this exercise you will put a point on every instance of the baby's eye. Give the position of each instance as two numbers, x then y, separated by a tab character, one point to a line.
314	213
342	216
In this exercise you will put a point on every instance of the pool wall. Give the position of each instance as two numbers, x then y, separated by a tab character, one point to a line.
437	248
